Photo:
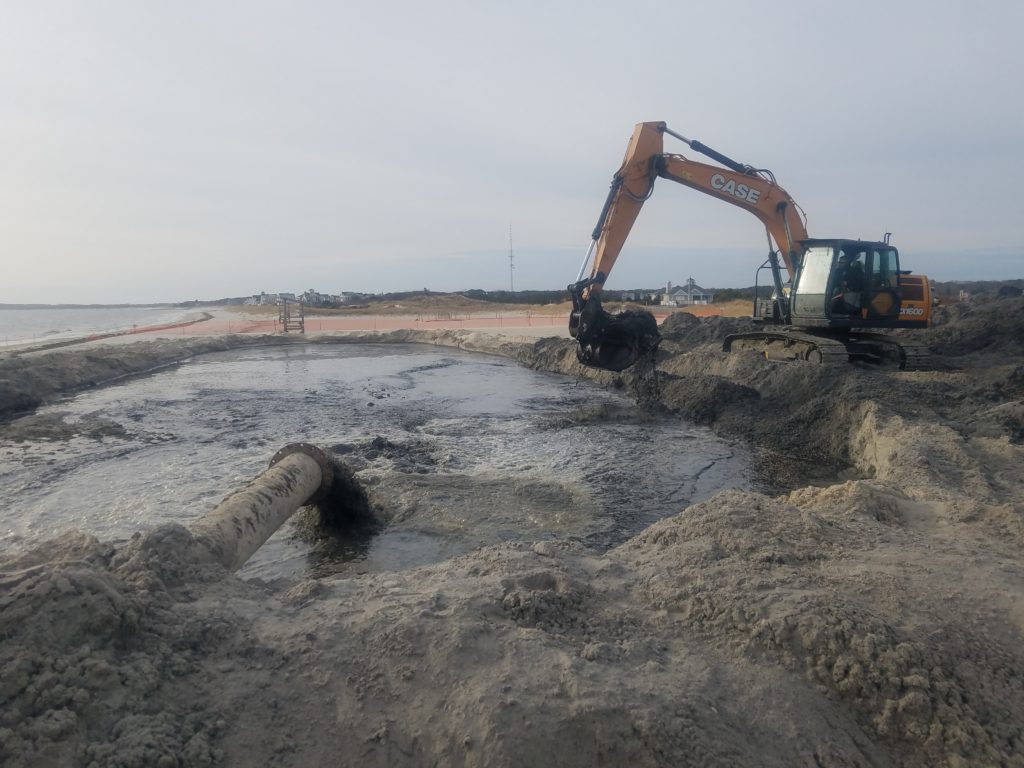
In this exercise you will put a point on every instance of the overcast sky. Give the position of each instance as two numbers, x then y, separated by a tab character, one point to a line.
157	151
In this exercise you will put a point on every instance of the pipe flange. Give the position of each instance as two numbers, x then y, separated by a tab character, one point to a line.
320	457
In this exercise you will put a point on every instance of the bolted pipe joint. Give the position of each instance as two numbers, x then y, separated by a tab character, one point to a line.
318	455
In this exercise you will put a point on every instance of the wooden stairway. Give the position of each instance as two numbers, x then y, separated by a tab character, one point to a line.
291	316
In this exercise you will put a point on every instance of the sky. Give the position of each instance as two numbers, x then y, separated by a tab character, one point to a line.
154	152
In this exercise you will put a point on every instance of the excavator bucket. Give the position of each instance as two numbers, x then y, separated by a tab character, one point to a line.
612	342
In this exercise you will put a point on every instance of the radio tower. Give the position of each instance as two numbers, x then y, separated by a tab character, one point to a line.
511	266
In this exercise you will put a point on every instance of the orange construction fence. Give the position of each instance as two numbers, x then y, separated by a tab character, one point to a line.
328	323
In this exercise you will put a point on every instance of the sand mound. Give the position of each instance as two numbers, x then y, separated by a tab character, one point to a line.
993	326
773	581
696	643
94	645
682	331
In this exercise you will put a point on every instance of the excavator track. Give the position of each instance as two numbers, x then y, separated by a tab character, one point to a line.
785	344
911	357
917	357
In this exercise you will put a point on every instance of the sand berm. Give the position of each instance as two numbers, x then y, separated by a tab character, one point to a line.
876	621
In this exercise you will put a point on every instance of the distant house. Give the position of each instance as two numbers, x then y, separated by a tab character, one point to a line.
313	298
686	295
349	297
643	297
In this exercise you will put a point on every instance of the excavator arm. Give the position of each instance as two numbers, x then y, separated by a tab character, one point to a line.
755	191
616	342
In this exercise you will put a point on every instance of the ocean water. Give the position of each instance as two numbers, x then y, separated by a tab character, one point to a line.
461	450
21	326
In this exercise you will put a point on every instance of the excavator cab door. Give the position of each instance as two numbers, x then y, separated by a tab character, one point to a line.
849	282
881	290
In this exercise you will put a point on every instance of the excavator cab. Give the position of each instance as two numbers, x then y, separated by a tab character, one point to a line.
847	284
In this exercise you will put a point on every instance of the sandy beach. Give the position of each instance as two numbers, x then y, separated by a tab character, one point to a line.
239	320
875	620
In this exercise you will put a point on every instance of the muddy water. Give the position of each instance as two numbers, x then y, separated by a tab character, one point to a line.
458	451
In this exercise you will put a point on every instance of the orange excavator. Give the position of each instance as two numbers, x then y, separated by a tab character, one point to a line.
828	296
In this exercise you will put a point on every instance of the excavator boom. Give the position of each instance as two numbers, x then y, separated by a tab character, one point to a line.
754	191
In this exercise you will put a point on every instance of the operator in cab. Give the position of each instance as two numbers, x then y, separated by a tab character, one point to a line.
847	285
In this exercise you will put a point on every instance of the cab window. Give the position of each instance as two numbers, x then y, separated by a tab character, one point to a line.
815	271
884	269
852	279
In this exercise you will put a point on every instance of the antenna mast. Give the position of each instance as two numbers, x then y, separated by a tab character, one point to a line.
511	266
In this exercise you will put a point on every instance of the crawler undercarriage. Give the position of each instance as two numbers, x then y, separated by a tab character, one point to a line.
788	343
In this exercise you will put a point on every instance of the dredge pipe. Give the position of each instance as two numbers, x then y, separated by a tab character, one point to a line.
299	474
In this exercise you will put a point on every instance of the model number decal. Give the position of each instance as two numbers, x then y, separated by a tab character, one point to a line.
730	187
911	310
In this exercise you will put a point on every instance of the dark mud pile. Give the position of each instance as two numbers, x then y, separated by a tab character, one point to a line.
994	327
874	622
